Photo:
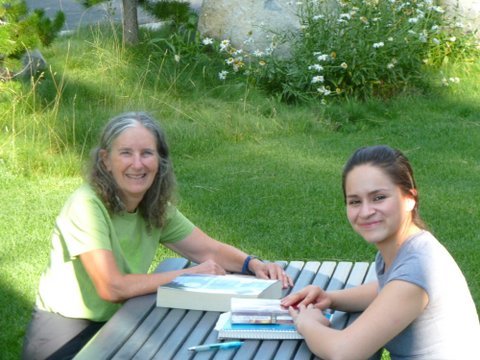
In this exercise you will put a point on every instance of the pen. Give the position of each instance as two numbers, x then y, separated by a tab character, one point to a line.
329	315
217	346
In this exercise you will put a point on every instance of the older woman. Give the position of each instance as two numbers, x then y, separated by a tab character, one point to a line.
106	236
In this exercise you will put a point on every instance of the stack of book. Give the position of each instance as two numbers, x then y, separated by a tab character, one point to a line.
256	319
259	311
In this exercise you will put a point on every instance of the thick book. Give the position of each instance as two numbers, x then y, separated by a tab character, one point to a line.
214	292
227	330
259	311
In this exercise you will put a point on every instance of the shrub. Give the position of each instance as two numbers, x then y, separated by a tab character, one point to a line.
355	48
21	31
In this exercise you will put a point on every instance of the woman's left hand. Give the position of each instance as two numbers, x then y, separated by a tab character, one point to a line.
270	271
304	314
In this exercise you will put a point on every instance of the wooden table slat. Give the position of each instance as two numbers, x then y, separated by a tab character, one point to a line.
303	352
160	334
371	276
293	269
288	348
178	337
195	337
249	349
133	343
125	321
212	337
324	274
267	349
306	276
355	277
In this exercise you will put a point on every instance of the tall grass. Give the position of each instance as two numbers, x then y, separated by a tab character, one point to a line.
252	171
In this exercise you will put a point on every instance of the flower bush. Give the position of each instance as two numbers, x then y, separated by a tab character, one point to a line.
355	48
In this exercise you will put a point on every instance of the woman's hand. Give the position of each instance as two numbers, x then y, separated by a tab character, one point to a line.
206	267
303	315
270	271
309	295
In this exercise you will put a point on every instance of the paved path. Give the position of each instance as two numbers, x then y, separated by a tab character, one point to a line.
77	15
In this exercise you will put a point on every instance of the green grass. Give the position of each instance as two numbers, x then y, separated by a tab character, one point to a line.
253	172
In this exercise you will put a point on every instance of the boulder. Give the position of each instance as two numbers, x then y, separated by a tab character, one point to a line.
33	64
467	12
248	24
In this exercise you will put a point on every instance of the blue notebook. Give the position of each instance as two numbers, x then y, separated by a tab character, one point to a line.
227	330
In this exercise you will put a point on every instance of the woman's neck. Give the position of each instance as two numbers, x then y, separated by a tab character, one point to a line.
389	248
131	204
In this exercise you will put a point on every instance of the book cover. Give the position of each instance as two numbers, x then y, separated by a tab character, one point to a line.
227	330
259	311
213	292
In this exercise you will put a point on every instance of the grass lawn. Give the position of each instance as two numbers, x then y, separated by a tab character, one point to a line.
253	172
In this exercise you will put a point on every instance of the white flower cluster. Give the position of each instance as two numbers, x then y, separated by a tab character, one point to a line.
450	80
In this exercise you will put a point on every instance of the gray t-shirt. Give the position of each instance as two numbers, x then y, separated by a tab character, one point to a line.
449	327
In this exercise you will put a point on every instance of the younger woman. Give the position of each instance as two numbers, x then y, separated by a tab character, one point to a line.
420	307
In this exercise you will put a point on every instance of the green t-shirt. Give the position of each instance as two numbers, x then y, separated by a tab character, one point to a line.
84	224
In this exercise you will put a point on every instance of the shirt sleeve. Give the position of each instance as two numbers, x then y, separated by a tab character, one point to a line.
177	226
84	224
413	270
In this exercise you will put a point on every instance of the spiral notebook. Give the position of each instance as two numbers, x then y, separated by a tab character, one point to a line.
227	330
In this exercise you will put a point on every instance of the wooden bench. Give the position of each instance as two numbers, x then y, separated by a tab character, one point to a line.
141	330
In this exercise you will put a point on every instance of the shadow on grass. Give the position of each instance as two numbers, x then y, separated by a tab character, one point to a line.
15	313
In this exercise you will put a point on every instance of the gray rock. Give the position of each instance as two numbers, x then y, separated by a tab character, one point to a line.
33	64
248	24
466	11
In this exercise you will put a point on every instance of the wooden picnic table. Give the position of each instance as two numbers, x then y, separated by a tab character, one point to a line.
141	330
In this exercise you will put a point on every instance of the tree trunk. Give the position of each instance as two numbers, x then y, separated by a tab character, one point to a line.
130	22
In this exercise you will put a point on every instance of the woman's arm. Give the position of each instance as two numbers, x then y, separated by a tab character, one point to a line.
351	300
354	299
395	307
114	286
212	256
199	247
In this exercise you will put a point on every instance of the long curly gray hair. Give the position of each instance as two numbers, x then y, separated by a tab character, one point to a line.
153	206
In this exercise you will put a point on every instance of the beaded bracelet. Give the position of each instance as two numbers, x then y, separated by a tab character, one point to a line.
245	269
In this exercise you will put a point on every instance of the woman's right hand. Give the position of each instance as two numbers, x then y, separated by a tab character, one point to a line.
206	267
309	295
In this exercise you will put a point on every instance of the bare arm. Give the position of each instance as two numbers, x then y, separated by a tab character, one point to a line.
212	256
200	247
114	286
354	299
395	307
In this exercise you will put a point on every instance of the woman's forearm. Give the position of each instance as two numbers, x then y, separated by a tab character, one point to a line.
354	299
